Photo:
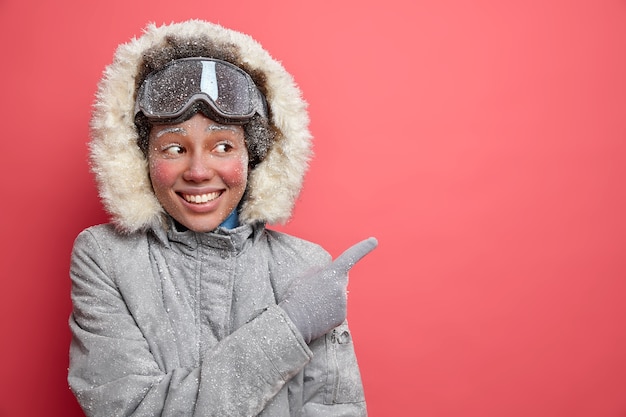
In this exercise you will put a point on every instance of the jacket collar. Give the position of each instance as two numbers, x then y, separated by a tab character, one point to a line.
231	240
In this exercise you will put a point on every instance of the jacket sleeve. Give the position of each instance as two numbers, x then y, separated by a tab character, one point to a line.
332	381
330	384
115	372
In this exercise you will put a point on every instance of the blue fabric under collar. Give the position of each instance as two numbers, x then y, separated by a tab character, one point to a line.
231	221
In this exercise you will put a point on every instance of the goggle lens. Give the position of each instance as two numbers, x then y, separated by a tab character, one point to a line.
228	90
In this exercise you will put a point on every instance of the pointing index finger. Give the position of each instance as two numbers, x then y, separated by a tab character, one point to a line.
353	254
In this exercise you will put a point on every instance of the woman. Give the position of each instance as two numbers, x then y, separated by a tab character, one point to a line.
186	305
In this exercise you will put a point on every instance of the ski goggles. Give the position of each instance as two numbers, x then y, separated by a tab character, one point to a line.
221	88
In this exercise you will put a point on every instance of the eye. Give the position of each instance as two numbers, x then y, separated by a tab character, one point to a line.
223	147
173	150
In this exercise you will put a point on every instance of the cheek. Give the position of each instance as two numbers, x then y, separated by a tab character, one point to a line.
162	174
235	173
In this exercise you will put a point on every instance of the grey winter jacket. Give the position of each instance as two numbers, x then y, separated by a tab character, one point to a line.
177	323
186	324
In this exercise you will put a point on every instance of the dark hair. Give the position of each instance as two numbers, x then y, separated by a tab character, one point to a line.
259	133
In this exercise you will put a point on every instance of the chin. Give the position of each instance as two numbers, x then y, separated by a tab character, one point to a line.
199	225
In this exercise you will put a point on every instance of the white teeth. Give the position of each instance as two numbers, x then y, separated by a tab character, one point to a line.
201	198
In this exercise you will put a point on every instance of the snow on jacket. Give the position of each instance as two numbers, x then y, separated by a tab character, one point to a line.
179	323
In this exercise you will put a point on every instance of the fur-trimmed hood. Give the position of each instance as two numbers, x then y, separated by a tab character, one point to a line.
121	168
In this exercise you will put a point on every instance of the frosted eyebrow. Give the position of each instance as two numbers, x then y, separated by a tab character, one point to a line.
220	127
170	130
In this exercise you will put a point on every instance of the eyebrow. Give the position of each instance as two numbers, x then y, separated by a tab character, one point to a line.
170	130
182	131
220	127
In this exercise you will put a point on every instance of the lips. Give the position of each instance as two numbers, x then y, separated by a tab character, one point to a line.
201	198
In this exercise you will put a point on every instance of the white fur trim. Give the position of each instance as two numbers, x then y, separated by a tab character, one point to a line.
121	169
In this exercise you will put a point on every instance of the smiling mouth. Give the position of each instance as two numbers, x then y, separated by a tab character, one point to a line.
201	198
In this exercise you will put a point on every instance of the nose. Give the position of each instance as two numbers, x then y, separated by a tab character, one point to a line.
198	169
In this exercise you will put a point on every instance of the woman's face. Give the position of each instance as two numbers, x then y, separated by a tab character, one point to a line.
199	170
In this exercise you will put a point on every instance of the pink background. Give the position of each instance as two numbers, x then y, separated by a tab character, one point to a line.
482	142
